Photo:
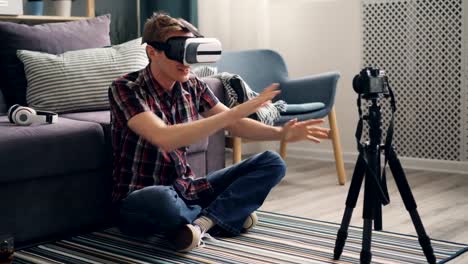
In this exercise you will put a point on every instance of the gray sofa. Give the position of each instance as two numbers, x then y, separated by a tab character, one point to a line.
55	180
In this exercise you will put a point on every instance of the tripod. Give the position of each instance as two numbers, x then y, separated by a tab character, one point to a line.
375	191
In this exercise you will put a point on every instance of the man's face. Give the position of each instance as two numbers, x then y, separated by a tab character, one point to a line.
170	69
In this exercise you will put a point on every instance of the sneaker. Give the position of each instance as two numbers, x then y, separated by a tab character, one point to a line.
250	222
187	238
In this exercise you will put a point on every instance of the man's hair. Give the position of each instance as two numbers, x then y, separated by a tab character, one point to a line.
160	25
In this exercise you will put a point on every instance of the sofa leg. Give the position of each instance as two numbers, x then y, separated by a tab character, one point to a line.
335	137
236	149
283	149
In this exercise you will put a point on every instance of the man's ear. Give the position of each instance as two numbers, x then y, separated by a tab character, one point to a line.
150	51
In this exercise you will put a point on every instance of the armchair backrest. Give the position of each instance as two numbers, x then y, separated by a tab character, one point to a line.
259	68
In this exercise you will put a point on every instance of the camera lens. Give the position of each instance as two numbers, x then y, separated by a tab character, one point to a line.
357	85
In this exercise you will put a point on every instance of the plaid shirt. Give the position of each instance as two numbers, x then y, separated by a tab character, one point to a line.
138	163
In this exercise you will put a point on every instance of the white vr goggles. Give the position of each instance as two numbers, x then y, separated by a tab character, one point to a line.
190	50
25	116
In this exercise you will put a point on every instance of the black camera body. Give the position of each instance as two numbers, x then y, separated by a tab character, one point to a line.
371	81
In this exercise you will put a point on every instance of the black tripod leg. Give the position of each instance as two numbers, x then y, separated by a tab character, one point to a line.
366	254
378	215
410	204
370	203
351	200
378	203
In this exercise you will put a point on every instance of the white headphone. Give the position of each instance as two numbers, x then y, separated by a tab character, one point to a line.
25	116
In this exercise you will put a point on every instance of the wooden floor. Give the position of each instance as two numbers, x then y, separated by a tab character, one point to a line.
310	189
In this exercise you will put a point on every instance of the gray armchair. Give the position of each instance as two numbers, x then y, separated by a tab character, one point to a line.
308	97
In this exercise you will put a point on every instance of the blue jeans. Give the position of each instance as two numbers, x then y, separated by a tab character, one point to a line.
239	190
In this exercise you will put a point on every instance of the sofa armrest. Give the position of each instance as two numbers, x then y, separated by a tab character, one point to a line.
216	86
215	157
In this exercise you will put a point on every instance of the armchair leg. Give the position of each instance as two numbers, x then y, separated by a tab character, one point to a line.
236	149
283	149
335	137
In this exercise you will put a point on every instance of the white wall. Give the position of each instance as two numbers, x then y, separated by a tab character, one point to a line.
313	36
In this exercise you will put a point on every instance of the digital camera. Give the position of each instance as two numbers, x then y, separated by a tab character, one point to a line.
371	81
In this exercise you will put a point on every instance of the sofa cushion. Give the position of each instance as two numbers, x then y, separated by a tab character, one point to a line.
53	38
68	146
100	117
78	80
103	118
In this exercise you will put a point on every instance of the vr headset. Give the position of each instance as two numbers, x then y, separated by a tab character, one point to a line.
25	116
190	50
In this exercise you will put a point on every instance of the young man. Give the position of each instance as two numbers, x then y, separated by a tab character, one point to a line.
154	116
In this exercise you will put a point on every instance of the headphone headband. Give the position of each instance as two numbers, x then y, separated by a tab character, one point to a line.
46	117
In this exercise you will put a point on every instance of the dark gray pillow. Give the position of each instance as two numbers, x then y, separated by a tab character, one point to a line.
53	38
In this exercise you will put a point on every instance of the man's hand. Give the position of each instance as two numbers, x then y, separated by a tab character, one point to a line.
306	130
252	105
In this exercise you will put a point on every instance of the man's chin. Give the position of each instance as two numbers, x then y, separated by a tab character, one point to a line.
183	78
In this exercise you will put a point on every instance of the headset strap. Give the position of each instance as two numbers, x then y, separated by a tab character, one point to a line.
186	25
158	45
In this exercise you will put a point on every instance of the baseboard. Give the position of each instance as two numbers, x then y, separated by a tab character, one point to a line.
409	163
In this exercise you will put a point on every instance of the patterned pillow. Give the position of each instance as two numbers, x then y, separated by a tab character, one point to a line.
78	80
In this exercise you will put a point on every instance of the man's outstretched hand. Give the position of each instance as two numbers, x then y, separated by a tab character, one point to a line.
294	131
251	106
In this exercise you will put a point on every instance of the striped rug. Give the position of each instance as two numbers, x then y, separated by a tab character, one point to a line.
277	239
